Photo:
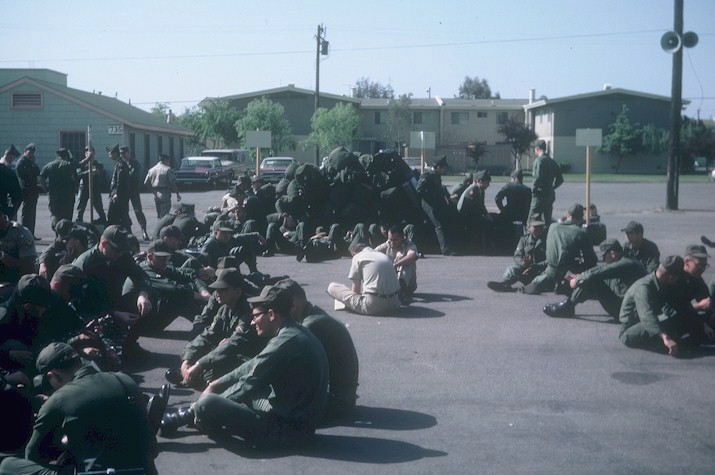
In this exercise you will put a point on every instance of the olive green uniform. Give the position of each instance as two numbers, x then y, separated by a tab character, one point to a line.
641	314
547	177
535	248
61	178
648	254
343	363
279	395
242	342
568	249
102	415
608	283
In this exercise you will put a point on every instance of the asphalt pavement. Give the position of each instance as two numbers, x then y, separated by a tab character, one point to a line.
465	380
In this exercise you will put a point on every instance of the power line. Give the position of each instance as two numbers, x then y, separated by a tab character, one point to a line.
367	48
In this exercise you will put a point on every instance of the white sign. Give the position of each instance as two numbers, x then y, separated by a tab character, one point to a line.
588	137
422	139
258	139
116	129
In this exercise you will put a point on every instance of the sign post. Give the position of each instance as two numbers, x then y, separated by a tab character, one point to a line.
588	138
90	178
423	140
259	139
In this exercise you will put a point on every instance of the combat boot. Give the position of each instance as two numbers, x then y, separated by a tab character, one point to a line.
503	286
173	420
563	309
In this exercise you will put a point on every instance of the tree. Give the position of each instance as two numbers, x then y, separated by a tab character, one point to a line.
698	141
475	88
519	135
334	127
366	88
264	114
399	119
160	109
213	124
476	150
625	139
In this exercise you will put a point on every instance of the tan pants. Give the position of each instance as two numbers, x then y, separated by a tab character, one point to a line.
364	304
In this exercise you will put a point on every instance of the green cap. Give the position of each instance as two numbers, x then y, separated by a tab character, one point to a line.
226	278
54	356
118	237
696	250
159	247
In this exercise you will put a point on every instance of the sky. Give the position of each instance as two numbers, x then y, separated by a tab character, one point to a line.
179	52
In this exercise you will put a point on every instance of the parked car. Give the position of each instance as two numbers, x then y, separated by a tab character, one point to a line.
240	158
274	168
212	171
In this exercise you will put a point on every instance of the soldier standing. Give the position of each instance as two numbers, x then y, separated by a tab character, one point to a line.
437	205
135	188
10	193
162	180
87	166
547	177
59	178
119	191
27	173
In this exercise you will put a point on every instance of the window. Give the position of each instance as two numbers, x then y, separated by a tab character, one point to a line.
459	118
502	117
27	101
417	117
481	115
378	117
74	141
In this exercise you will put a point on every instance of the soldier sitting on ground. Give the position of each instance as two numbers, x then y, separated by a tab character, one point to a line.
647	321
276	398
404	257
640	248
529	259
339	348
568	249
607	283
224	345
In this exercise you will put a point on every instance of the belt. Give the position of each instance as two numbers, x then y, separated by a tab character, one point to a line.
386	296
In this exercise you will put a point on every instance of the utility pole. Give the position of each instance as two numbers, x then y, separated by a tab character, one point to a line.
675	114
318	44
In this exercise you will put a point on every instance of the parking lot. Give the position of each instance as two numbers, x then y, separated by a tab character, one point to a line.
465	380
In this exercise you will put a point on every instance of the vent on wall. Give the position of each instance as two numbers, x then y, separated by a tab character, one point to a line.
27	101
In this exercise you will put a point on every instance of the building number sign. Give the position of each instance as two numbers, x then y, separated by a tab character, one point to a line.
116	129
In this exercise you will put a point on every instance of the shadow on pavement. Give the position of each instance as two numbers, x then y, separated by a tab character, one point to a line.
417	312
156	360
432	298
386	419
182	335
340	447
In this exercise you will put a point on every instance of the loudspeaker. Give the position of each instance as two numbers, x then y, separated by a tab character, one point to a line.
690	39
670	42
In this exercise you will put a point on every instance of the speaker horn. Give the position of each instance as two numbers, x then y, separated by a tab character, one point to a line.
690	39
670	42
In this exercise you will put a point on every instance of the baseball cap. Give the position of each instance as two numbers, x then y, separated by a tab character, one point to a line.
118	237
30	146
696	250
269	294
674	265
576	211
159	247
171	231
632	227
12	150
33	289
68	271
54	356
222	225
483	175
610	245
113	148
63	227
226	278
